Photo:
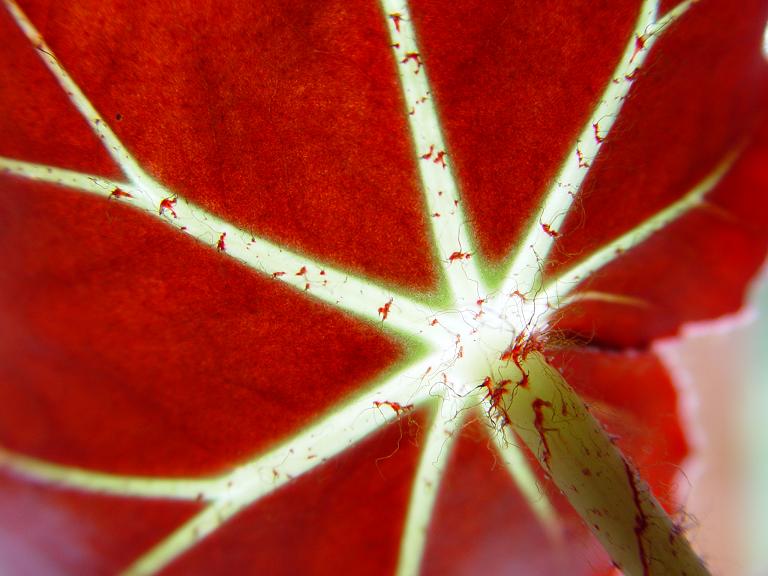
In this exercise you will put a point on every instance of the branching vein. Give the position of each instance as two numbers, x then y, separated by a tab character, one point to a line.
473	323
434	458
338	288
441	192
524	274
511	453
112	143
561	286
302	453
112	484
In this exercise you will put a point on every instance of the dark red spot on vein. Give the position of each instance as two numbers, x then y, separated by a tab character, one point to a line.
523	345
277	274
596	128
221	245
550	231
415	57
641	521
166	205
459	256
440	158
639	45
538	422
384	310
397	407
494	394
119	193
396	18
302	271
428	155
580	155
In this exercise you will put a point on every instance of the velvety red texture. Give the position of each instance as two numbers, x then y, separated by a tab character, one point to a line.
695	268
502	536
699	97
128	347
56	532
667	5
285	118
116	354
633	396
38	122
514	83
344	517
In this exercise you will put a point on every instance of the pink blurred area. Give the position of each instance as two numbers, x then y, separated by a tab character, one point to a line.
722	369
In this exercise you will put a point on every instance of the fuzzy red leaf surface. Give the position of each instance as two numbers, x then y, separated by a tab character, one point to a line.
253	253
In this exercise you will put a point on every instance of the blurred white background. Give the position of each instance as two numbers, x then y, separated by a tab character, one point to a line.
756	433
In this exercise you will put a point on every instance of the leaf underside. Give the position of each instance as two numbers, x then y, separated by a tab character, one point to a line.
253	266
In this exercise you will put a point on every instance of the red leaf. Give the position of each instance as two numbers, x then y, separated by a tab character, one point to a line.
257	258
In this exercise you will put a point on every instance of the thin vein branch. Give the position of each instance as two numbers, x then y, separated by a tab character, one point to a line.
69	178
525	270
338	288
81	479
343	427
608	297
111	142
298	455
333	286
185	537
561	286
433	461
441	192
522	475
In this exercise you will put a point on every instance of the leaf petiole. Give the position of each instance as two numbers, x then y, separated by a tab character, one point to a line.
600	483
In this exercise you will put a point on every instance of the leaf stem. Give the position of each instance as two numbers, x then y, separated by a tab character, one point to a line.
600	483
